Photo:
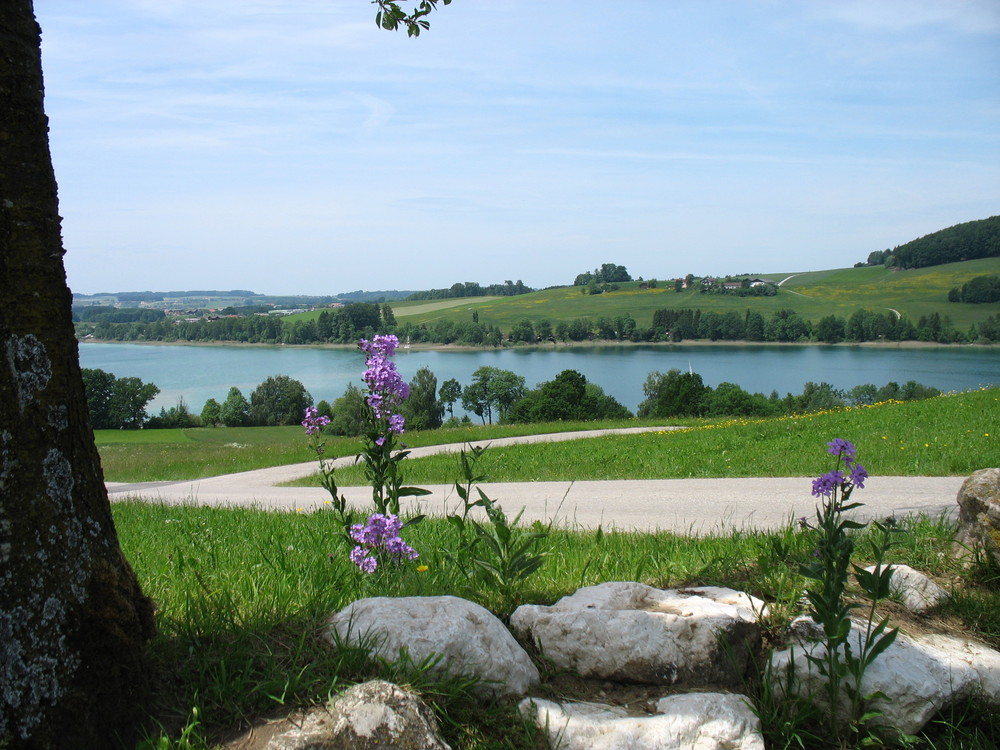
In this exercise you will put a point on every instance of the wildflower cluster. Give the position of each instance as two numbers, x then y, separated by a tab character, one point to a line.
379	539
386	391
843	659
314	421
386	388
826	485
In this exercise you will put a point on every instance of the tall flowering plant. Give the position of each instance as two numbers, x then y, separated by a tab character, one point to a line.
385	392
314	422
377	541
844	657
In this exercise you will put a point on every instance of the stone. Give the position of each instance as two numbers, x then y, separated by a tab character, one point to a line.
372	715
979	513
468	638
694	721
919	674
913	589
631	632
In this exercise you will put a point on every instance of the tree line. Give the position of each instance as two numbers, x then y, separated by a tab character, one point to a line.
967	241
345	325
472	289
977	291
493	395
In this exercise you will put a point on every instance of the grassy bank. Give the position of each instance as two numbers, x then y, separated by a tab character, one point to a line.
195	453
242	594
943	436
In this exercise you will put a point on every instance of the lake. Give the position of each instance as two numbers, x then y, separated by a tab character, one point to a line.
198	373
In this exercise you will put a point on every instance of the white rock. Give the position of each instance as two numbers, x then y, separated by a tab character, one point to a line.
693	721
374	714
635	633
914	590
470	640
919	674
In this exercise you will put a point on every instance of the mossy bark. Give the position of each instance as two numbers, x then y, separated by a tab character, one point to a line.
73	620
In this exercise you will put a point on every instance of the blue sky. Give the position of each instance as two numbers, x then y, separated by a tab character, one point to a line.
291	147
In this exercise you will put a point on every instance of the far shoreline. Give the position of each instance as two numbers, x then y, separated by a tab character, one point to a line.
550	346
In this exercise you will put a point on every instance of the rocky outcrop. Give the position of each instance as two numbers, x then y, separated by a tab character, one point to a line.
467	638
919	675
635	633
913	589
372	716
695	721
979	513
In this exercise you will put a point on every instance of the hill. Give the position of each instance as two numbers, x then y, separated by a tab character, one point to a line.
813	295
967	241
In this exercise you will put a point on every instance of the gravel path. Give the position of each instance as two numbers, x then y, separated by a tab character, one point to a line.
697	506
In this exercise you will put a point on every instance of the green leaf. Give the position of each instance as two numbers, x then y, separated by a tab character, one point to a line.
413	492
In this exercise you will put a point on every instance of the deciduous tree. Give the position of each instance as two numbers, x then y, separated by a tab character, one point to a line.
450	392
492	389
423	410
235	410
279	400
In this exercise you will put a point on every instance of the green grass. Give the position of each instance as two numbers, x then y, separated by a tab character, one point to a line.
196	453
813	295
152	455
949	435
242	594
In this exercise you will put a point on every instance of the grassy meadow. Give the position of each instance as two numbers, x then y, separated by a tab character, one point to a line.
242	594
949	435
944	436
812	294
199	452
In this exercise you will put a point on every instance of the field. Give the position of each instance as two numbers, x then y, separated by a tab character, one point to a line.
812	294
948	435
944	436
242	594
195	453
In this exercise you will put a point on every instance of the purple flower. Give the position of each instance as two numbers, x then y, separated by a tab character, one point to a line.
364	560
396	422
843	448
314	421
827	483
379	345
380	535
386	388
858	476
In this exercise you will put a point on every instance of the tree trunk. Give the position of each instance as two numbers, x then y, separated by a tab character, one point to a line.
73	620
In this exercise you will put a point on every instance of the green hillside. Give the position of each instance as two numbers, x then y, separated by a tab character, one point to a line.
813	295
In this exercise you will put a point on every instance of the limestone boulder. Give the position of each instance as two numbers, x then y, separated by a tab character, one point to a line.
468	638
630	632
372	716
979	513
919	674
694	721
913	589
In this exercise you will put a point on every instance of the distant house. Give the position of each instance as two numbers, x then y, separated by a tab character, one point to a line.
732	285
760	282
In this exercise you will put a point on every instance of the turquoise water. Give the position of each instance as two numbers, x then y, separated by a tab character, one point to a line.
198	373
